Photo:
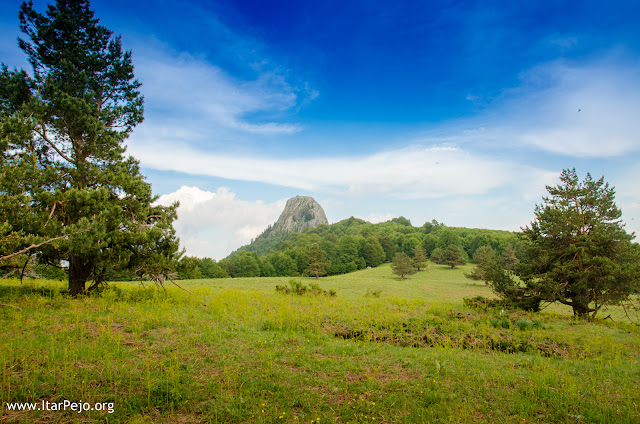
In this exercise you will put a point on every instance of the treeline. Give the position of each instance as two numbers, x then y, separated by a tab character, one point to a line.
347	246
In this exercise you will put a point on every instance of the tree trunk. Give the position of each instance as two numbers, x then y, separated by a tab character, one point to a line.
79	273
580	310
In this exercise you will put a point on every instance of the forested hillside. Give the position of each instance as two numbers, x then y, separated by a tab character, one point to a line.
347	246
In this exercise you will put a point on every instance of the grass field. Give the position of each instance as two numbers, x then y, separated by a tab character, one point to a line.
381	351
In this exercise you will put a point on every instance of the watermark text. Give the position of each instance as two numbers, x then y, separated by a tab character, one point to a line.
65	405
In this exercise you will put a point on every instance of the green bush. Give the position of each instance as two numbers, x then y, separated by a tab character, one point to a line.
523	324
296	287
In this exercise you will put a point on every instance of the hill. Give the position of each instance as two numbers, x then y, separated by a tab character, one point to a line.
353	244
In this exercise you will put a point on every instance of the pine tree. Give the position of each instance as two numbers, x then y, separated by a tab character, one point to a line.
318	264
65	130
419	259
579	253
402	266
451	255
484	256
509	259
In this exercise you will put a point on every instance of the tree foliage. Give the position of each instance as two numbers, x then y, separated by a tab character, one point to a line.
65	177
579	253
354	244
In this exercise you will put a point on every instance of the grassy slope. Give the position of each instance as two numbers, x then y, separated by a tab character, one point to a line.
240	352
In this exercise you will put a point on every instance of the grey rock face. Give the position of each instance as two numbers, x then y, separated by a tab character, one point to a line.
301	212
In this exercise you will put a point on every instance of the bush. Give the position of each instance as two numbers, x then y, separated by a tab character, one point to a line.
373	293
484	303
500	322
296	287
523	324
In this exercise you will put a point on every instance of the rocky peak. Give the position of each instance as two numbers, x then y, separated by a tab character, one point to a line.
301	212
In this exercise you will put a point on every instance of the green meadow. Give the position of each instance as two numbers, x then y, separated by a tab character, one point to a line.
382	350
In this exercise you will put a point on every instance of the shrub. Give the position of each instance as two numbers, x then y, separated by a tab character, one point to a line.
523	324
500	322
373	293
296	287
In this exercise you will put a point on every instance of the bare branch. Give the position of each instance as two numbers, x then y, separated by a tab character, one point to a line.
10	306
43	134
180	287
57	202
33	246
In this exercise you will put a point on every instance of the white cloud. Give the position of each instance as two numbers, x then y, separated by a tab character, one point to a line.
580	111
375	218
413	172
214	224
628	196
193	91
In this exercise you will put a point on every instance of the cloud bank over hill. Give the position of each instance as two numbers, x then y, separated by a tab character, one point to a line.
213	224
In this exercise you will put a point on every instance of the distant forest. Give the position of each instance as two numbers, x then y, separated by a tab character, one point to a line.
347	246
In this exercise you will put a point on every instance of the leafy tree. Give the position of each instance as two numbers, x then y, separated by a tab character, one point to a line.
348	248
447	237
336	268
210	269
419	259
409	245
317	261
429	243
246	264
580	255
284	265
188	268
266	268
350	266
474	242
63	132
402	221
372	252
299	255
402	266
388	246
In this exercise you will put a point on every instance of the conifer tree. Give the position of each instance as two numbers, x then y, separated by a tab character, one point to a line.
451	255
484	257
419	259
578	253
509	259
402	266
318	264
63	161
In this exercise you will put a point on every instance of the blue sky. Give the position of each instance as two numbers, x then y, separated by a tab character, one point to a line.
458	111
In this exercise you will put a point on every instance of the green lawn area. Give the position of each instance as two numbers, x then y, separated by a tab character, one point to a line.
382	350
